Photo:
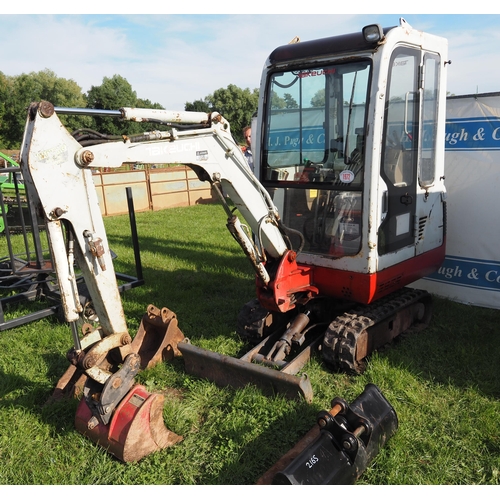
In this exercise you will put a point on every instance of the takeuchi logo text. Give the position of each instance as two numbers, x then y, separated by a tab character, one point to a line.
317	72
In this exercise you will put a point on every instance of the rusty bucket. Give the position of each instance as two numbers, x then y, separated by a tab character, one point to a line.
136	428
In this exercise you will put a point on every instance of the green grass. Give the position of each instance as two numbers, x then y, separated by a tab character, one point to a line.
443	382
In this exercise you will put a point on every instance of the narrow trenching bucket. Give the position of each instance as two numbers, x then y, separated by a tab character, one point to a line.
343	443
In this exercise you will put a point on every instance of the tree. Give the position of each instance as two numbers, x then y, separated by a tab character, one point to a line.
113	93
277	102
147	104
291	103
198	105
6	92
233	103
18	92
318	100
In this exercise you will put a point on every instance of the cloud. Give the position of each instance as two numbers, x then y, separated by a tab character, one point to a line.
71	48
174	59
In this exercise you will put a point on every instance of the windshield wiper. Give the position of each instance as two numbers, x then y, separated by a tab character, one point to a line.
347	158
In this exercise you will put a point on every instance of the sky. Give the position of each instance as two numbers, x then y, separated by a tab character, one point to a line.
174	56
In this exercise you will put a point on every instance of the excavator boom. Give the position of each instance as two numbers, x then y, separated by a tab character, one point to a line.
114	411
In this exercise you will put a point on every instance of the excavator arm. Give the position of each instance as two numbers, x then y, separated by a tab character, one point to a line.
211	152
206	145
58	171
53	157
114	411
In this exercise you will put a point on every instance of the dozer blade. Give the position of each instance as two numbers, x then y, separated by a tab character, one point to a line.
228	371
135	430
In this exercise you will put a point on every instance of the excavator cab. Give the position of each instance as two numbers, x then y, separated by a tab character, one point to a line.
349	145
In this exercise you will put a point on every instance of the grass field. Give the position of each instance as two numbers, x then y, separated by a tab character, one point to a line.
443	382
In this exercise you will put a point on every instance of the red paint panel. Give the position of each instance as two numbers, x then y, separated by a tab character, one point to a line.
292	278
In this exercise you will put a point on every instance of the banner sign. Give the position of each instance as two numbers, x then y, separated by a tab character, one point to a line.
313	138
472	273
471	270
473	133
461	135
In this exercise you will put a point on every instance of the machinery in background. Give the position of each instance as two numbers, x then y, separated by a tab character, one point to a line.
13	201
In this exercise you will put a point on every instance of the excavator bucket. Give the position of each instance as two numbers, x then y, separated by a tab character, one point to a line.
341	446
136	428
119	415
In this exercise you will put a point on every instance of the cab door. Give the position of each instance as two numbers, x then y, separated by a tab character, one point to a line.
400	151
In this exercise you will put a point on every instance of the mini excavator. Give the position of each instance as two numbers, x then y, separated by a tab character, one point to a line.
347	207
